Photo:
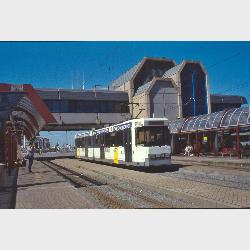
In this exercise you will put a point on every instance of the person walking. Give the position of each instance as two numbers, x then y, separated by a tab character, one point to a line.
30	156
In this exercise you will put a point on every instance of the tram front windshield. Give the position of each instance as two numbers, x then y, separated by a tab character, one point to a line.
149	136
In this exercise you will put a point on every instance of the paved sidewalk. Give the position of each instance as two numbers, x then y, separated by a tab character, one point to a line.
44	188
222	161
8	177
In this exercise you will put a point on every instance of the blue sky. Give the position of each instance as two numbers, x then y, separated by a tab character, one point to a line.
56	64
53	64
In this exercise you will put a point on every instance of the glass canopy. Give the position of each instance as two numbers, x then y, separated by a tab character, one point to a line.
175	126
235	117
222	119
203	122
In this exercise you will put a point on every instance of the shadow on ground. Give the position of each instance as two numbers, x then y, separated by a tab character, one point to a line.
160	169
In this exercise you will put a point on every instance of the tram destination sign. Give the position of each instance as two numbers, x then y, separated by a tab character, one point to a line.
100	131
120	127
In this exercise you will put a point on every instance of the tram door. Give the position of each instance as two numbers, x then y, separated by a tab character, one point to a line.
102	138
127	145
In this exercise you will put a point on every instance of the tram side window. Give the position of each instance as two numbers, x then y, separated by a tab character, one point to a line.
97	142
78	143
112	139
87	141
119	138
81	142
91	141
107	139
102	139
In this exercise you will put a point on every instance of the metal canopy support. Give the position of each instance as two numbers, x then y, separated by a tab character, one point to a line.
238	148
216	149
173	143
222	139
197	153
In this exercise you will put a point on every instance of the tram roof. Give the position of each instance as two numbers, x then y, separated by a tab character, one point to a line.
222	119
120	126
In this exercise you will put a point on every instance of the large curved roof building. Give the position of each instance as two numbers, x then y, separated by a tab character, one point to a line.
157	87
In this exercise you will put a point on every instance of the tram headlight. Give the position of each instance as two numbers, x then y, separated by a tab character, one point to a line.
151	156
167	155
159	156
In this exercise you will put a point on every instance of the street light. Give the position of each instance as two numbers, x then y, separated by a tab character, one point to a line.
97	85
97	114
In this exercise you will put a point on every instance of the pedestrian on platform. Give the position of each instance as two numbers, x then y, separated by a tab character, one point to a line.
30	156
188	150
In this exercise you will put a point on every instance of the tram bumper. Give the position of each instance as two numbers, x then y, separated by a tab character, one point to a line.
157	162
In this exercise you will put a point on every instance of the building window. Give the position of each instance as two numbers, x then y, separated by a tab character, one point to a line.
80	106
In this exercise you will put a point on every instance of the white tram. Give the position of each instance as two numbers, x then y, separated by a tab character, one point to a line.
137	142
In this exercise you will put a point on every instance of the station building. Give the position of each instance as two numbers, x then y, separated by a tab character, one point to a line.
157	87
213	124
160	88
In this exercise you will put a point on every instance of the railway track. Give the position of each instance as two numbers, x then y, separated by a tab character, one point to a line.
95	187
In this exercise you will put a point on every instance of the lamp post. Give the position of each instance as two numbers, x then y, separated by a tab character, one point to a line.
96	85
97	114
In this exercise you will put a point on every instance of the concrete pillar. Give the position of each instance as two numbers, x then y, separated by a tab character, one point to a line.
216	148
173	150
222	140
238	148
197	148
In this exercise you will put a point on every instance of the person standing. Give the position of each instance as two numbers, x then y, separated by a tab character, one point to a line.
30	156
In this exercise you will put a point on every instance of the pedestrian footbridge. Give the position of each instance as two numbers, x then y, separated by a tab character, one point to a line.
84	109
